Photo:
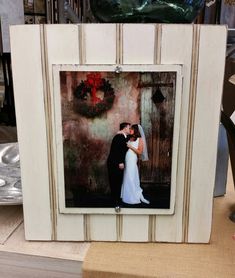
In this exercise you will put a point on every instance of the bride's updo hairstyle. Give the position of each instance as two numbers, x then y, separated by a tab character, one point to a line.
136	133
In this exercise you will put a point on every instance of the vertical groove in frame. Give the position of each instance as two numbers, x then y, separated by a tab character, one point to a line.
119	44
152	228
86	226
190	129
119	226
82	61
81	38
156	60
158	43
49	133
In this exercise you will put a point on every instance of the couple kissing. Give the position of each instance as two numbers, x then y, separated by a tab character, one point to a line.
127	145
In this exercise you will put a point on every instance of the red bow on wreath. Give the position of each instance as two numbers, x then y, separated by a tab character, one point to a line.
94	81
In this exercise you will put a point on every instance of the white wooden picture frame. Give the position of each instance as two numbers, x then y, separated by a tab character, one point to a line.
199	49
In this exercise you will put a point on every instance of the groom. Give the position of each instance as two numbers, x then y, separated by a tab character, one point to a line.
116	161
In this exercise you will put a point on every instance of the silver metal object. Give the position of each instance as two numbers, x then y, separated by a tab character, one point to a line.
117	209
118	69
10	178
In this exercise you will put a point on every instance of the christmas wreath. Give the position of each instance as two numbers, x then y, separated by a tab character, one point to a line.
93	96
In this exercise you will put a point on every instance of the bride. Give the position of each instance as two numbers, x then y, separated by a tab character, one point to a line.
131	192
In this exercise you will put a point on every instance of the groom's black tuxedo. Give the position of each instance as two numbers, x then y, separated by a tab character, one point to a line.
116	156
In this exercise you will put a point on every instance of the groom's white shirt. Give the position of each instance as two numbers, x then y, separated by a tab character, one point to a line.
121	132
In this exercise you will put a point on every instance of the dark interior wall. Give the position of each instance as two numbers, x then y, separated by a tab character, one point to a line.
228	103
228	100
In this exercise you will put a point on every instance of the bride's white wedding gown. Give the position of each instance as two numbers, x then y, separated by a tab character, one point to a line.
131	192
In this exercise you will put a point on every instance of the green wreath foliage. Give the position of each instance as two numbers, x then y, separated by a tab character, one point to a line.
82	98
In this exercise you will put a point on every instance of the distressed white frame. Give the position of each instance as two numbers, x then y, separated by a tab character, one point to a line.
199	48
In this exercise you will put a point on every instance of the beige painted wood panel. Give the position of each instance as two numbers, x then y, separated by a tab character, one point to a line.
102	228
30	114
99	44
211	62
62	46
176	48
70	227
134	228
138	43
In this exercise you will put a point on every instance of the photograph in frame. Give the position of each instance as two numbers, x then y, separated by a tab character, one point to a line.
93	104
